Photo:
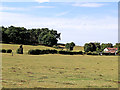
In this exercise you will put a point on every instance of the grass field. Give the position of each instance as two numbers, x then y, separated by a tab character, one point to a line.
58	71
14	47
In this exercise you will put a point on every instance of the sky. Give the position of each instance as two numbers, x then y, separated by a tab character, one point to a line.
79	22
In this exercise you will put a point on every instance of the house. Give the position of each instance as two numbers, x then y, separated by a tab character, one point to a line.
111	50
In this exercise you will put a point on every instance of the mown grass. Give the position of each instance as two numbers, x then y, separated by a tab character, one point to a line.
58	71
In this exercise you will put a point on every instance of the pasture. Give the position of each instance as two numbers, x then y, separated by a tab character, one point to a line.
57	71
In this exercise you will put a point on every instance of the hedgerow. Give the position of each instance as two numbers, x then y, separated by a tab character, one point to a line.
48	51
6	51
37	51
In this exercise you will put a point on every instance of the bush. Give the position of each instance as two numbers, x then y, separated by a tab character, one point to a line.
92	53
89	53
9	51
95	53
19	51
70	53
37	52
48	51
84	52
64	52
34	52
3	51
118	53
53	51
31	52
80	52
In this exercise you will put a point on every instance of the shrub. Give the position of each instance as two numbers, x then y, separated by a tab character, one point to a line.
3	51
48	51
95	53
63	52
19	51
118	53
92	53
80	52
53	51
70	53
34	52
37	51
31	52
84	52
9	51
89	53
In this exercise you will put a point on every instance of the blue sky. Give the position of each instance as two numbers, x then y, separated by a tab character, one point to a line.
79	22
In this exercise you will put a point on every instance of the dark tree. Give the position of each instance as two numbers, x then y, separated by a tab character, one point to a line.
87	47
106	45
21	35
72	44
69	46
92	47
48	38
20	50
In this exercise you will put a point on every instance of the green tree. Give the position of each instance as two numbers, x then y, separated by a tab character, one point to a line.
48	40
97	50
4	35
20	50
91	46
117	45
87	47
97	45
32	36
106	45
72	44
69	46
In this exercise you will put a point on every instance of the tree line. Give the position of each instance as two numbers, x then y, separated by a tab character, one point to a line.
99	47
45	36
21	35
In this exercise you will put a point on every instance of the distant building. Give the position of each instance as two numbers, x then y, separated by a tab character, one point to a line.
111	50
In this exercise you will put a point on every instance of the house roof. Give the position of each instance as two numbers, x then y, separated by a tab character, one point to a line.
111	50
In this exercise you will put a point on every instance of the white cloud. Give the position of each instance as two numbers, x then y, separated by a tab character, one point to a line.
83	29
88	5
44	7
62	13
42	1
3	8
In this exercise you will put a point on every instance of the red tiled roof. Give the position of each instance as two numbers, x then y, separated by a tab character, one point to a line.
111	50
